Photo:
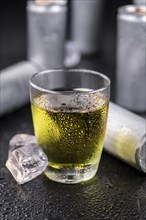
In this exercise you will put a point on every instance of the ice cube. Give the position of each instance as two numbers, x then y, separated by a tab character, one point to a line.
20	140
26	160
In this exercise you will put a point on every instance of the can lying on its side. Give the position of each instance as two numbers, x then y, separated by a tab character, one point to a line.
126	136
15	85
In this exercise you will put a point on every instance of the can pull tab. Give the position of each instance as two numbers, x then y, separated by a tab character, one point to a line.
141	10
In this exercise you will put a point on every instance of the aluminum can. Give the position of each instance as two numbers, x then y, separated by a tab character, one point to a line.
126	136
86	22
131	58
46	33
14	82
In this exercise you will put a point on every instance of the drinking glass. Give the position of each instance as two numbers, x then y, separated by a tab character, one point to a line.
69	111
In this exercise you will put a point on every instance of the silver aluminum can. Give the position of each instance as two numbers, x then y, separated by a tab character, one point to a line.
131	58
46	33
126	137
15	86
86	17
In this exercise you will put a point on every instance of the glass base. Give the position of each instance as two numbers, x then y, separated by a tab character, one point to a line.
71	176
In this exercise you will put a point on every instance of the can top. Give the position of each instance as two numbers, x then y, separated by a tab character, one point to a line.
141	155
49	6
132	13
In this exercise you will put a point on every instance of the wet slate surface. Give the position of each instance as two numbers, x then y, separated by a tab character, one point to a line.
118	191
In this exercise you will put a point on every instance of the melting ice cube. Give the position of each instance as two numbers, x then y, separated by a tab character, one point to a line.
26	160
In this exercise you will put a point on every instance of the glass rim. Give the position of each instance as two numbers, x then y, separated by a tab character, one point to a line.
107	79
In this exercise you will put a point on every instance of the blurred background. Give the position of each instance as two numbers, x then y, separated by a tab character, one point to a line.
13	40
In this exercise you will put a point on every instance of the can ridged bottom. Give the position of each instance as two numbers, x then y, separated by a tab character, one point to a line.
71	176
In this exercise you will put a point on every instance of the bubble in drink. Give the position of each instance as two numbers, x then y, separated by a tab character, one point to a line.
71	137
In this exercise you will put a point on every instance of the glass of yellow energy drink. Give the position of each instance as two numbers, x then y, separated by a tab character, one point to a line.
69	111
